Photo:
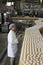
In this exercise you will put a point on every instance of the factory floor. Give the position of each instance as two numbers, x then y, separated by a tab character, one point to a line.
4	60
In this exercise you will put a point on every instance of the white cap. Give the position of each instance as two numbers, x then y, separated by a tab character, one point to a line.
11	25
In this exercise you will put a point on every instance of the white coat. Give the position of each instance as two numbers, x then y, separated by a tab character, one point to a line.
12	44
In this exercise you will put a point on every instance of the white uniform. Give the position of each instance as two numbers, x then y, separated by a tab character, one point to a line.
12	44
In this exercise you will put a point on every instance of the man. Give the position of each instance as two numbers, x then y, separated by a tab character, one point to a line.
12	43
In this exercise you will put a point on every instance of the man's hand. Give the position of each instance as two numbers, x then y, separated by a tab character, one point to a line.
18	37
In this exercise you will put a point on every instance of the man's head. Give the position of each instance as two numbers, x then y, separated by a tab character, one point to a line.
12	27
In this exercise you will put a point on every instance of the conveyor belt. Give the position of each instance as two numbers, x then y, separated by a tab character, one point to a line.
32	48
